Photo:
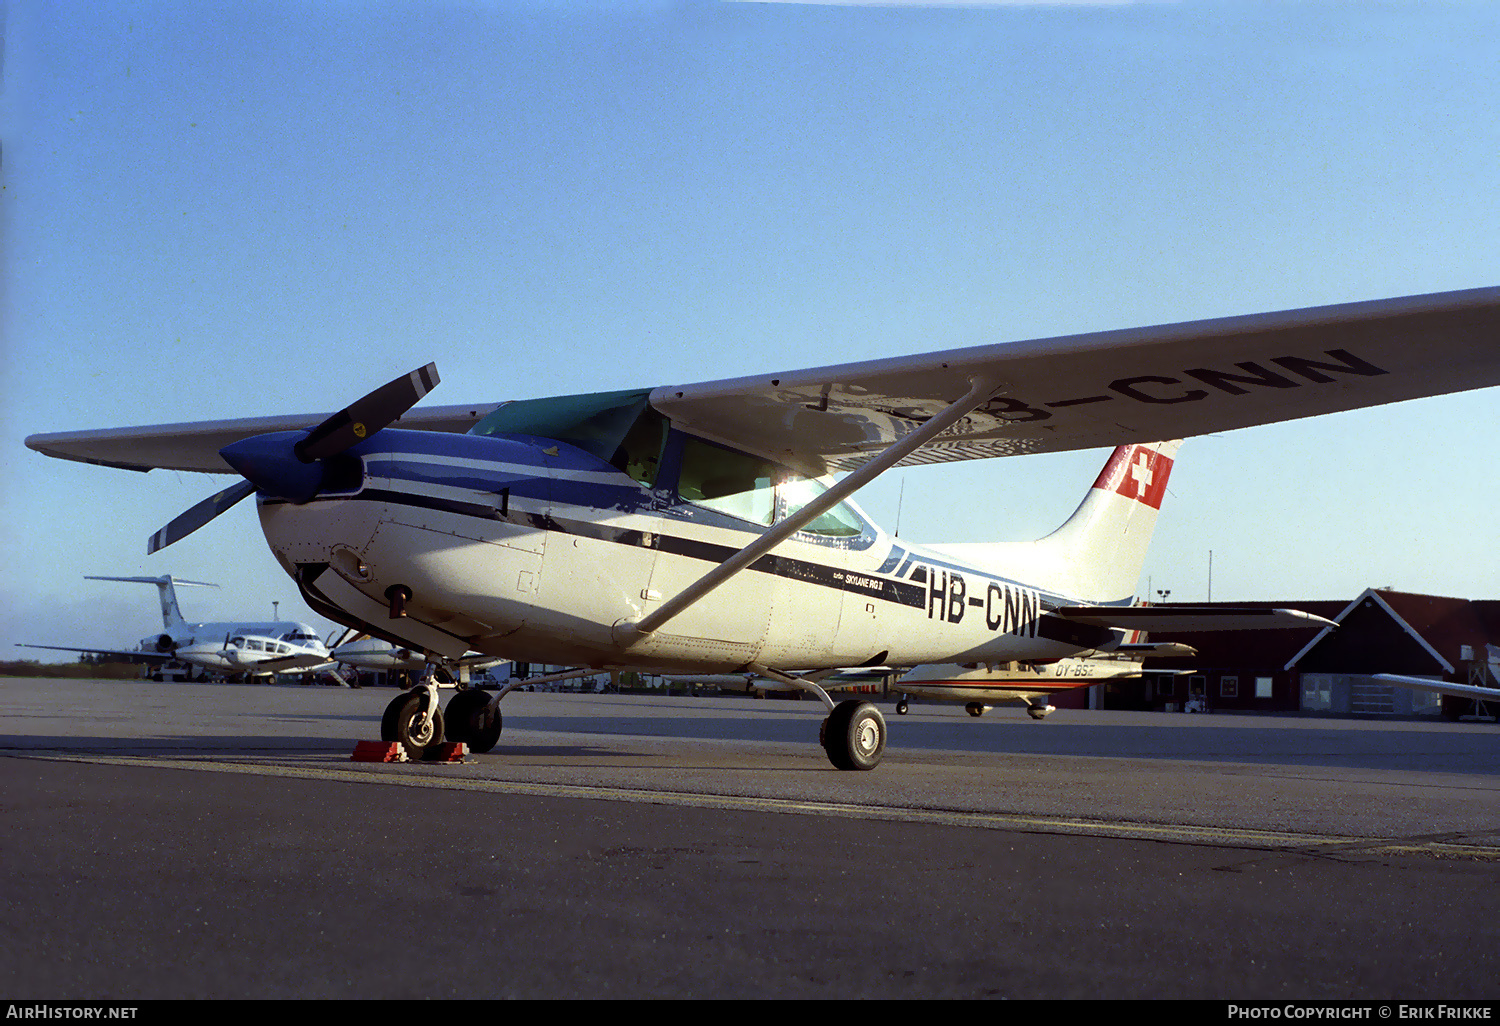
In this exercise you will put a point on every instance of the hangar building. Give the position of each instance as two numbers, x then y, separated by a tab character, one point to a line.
1327	670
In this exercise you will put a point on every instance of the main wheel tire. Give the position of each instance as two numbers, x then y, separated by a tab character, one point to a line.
853	735
388	718
473	719
404	724
975	709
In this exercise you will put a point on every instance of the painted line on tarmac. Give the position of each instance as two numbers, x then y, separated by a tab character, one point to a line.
1177	833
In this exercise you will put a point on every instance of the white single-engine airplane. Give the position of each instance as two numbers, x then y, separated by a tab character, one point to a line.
242	647
696	528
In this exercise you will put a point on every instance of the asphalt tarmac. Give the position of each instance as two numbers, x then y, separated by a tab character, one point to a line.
201	841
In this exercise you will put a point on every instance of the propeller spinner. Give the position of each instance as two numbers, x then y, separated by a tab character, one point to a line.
292	464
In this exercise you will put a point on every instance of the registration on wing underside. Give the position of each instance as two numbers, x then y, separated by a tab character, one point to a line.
1108	388
1015	425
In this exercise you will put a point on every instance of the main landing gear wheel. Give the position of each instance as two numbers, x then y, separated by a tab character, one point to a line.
404	724
901	707
853	735
474	719
975	709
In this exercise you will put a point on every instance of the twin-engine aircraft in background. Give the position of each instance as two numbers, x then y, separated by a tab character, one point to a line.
362	652
698	528
252	648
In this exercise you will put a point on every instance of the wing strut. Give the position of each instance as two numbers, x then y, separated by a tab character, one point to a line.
980	390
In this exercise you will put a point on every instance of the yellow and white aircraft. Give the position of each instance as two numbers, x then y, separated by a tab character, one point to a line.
981	685
254	648
698	528
367	653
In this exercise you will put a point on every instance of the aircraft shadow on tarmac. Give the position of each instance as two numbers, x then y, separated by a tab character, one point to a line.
1403	746
1397	746
140	746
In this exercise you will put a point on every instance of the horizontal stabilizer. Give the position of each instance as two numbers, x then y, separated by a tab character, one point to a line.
1190	618
158	656
1163	650
151	580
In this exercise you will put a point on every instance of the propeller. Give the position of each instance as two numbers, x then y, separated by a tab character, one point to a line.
185	524
291	464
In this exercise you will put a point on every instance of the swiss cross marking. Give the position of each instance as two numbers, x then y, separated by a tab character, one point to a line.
1141	471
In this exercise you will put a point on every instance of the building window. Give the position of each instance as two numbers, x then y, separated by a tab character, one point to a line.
1262	687
1317	692
1166	687
1229	687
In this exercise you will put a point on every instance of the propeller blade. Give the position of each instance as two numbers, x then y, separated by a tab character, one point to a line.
366	416
186	523
347	636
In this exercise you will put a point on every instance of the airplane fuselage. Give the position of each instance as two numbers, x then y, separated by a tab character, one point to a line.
1015	681
243	647
204	634
538	551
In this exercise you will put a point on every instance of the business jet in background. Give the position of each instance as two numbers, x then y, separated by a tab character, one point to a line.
237	647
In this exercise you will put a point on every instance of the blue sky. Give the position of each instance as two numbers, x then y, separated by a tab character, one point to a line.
276	207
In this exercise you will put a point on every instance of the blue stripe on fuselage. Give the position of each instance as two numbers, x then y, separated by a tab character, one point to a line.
523	464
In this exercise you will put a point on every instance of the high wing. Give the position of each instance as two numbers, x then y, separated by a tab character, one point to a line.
196	446
297	663
1108	388
1044	395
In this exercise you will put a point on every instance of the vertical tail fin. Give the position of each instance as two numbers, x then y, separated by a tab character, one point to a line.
1102	547
171	616
1098	554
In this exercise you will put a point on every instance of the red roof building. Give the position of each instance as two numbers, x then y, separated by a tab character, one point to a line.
1326	670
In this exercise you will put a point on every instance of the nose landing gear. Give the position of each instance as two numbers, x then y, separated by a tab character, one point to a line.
414	720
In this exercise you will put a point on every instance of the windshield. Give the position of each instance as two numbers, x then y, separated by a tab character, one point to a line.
842	521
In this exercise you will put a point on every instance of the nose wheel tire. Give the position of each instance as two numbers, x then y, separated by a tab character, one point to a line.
473	719
404	724
901	707
975	709
854	736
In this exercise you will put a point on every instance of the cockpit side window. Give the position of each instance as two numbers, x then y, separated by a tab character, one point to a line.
726	481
